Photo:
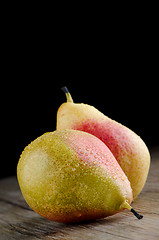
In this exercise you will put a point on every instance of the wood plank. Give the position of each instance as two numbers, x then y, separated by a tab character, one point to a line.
18	221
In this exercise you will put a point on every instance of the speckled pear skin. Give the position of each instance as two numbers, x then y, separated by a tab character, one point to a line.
71	176
128	148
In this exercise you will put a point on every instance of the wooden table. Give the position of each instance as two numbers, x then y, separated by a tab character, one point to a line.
18	221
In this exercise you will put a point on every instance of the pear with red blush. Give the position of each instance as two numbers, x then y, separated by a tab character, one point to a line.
127	147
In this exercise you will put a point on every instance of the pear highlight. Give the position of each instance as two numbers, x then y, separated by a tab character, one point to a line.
71	176
127	147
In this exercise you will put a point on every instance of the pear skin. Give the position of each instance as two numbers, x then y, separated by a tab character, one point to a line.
128	148
71	176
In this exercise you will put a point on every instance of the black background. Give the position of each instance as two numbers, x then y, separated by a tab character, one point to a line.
116	71
33	111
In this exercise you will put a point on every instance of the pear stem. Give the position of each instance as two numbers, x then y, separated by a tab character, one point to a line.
126	205
68	95
139	216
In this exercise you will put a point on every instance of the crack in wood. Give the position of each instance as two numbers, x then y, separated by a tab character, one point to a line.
15	204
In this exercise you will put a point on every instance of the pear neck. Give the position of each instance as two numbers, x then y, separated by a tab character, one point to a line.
69	98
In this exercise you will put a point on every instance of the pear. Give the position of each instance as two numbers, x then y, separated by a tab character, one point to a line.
71	176
128	148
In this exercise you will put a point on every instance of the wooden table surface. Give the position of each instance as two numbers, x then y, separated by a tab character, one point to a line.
18	221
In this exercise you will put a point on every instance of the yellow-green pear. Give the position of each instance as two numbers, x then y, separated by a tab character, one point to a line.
71	176
128	148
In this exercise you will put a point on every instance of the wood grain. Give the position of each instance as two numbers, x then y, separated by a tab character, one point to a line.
18	221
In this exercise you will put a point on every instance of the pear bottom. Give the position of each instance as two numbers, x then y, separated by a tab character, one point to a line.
75	196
